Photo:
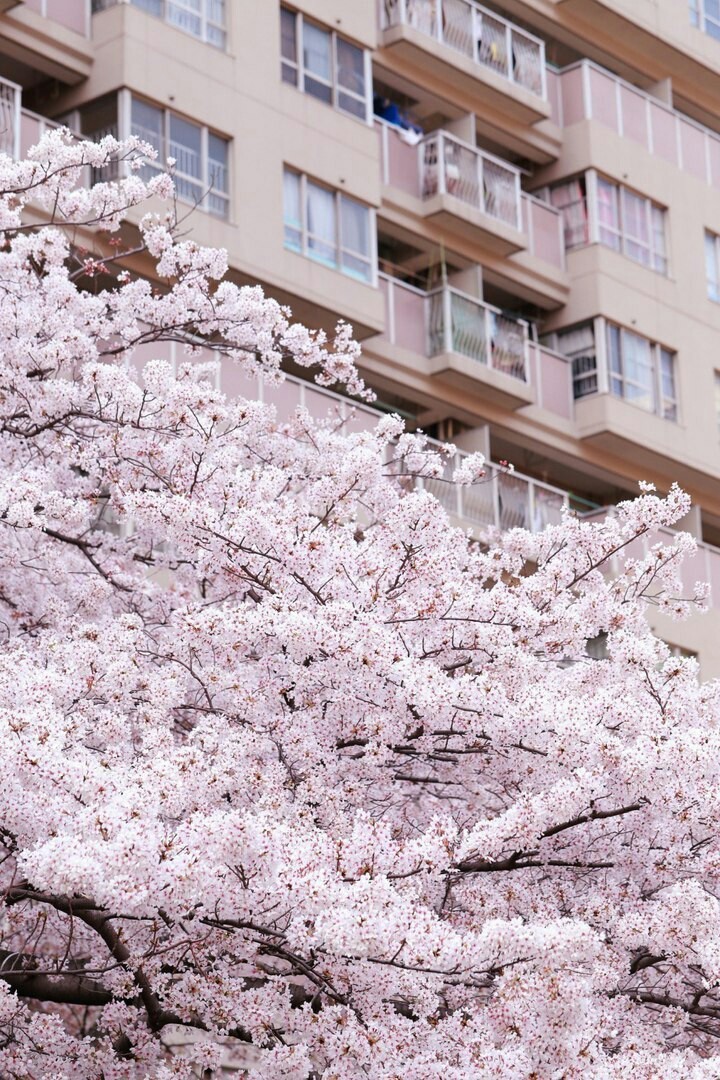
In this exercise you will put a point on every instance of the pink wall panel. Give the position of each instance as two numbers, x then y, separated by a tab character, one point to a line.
692	141
572	97
634	115
663	134
604	99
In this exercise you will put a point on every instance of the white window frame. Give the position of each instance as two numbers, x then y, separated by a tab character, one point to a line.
616	236
657	260
205	180
712	265
665	406
340	248
701	20
182	5
298	66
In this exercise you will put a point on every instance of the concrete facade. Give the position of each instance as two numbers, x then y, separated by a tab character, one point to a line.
515	178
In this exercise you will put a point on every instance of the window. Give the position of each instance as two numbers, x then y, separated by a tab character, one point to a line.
201	171
578	345
596	647
571	198
204	19
705	14
624	221
641	372
328	226
632	224
321	63
712	265
638	370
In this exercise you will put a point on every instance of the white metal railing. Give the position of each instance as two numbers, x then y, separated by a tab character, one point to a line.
481	35
506	500
10	99
462	324
451	166
503	499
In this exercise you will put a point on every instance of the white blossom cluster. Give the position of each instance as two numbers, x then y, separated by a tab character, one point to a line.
289	763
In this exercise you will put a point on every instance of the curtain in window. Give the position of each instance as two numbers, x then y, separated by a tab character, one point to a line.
637	370
292	210
350	77
186	15
322	239
146	121
711	266
317	62
153	7
608	213
186	148
635	226
667	385
355	238
659	253
578	344
570	199
288	45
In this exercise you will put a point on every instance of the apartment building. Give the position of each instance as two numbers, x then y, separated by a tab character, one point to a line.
516	205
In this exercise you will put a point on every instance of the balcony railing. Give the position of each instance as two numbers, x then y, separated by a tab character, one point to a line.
506	500
585	91
458	323
450	166
73	14
10	99
413	316
484	37
543	226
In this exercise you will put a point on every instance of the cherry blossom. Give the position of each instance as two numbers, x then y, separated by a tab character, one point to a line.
298	777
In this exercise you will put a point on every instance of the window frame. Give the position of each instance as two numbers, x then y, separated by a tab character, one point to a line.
611	229
342	251
615	380
700	19
711	242
211	192
183	5
298	67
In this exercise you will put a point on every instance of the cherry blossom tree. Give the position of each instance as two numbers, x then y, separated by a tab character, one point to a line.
296	776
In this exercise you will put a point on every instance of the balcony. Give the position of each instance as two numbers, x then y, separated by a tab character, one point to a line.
472	49
454	336
50	36
471	193
32	128
504	500
585	91
72	14
471	342
461	340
